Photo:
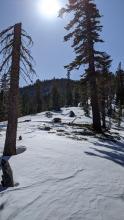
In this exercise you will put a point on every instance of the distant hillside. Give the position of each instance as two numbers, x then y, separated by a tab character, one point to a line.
42	94
47	85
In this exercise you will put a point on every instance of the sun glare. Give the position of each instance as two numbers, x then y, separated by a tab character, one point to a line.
49	8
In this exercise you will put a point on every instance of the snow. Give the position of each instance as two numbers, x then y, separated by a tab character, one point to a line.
60	175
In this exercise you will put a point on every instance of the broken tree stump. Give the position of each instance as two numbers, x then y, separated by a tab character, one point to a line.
7	177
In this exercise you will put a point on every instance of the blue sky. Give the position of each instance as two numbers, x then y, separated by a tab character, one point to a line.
49	50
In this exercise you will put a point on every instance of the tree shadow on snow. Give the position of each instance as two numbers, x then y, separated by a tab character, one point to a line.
113	151
19	150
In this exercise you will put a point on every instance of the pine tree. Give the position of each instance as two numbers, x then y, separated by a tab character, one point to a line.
1	106
76	95
55	98
25	103
4	88
104	73
69	98
120	92
85	27
16	60
85	94
38	96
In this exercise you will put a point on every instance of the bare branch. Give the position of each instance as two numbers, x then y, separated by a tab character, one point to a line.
6	39
24	34
6	30
28	64
5	61
24	74
27	52
6	48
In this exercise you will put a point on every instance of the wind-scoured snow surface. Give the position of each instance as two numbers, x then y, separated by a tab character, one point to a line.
61	175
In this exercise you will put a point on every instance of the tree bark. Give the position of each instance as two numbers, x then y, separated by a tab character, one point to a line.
92	80
94	91
10	142
95	105
103	114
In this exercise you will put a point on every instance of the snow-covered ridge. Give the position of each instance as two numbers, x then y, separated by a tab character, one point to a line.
60	174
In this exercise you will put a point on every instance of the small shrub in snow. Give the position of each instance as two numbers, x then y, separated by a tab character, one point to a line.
20	138
48	114
27	120
57	120
45	128
71	114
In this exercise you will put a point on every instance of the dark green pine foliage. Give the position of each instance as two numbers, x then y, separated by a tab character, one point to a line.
55	98
85	95
76	95
38	97
1	106
25	100
4	87
120	92
69	97
84	31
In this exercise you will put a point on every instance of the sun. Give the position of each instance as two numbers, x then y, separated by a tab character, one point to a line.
49	8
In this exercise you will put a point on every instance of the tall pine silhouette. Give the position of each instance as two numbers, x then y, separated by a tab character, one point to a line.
84	29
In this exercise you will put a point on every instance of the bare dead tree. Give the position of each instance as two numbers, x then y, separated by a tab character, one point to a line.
16	60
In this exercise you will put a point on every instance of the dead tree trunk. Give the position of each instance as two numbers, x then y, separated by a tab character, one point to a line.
10	142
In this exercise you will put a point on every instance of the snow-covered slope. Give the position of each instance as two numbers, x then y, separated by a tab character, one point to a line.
61	174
